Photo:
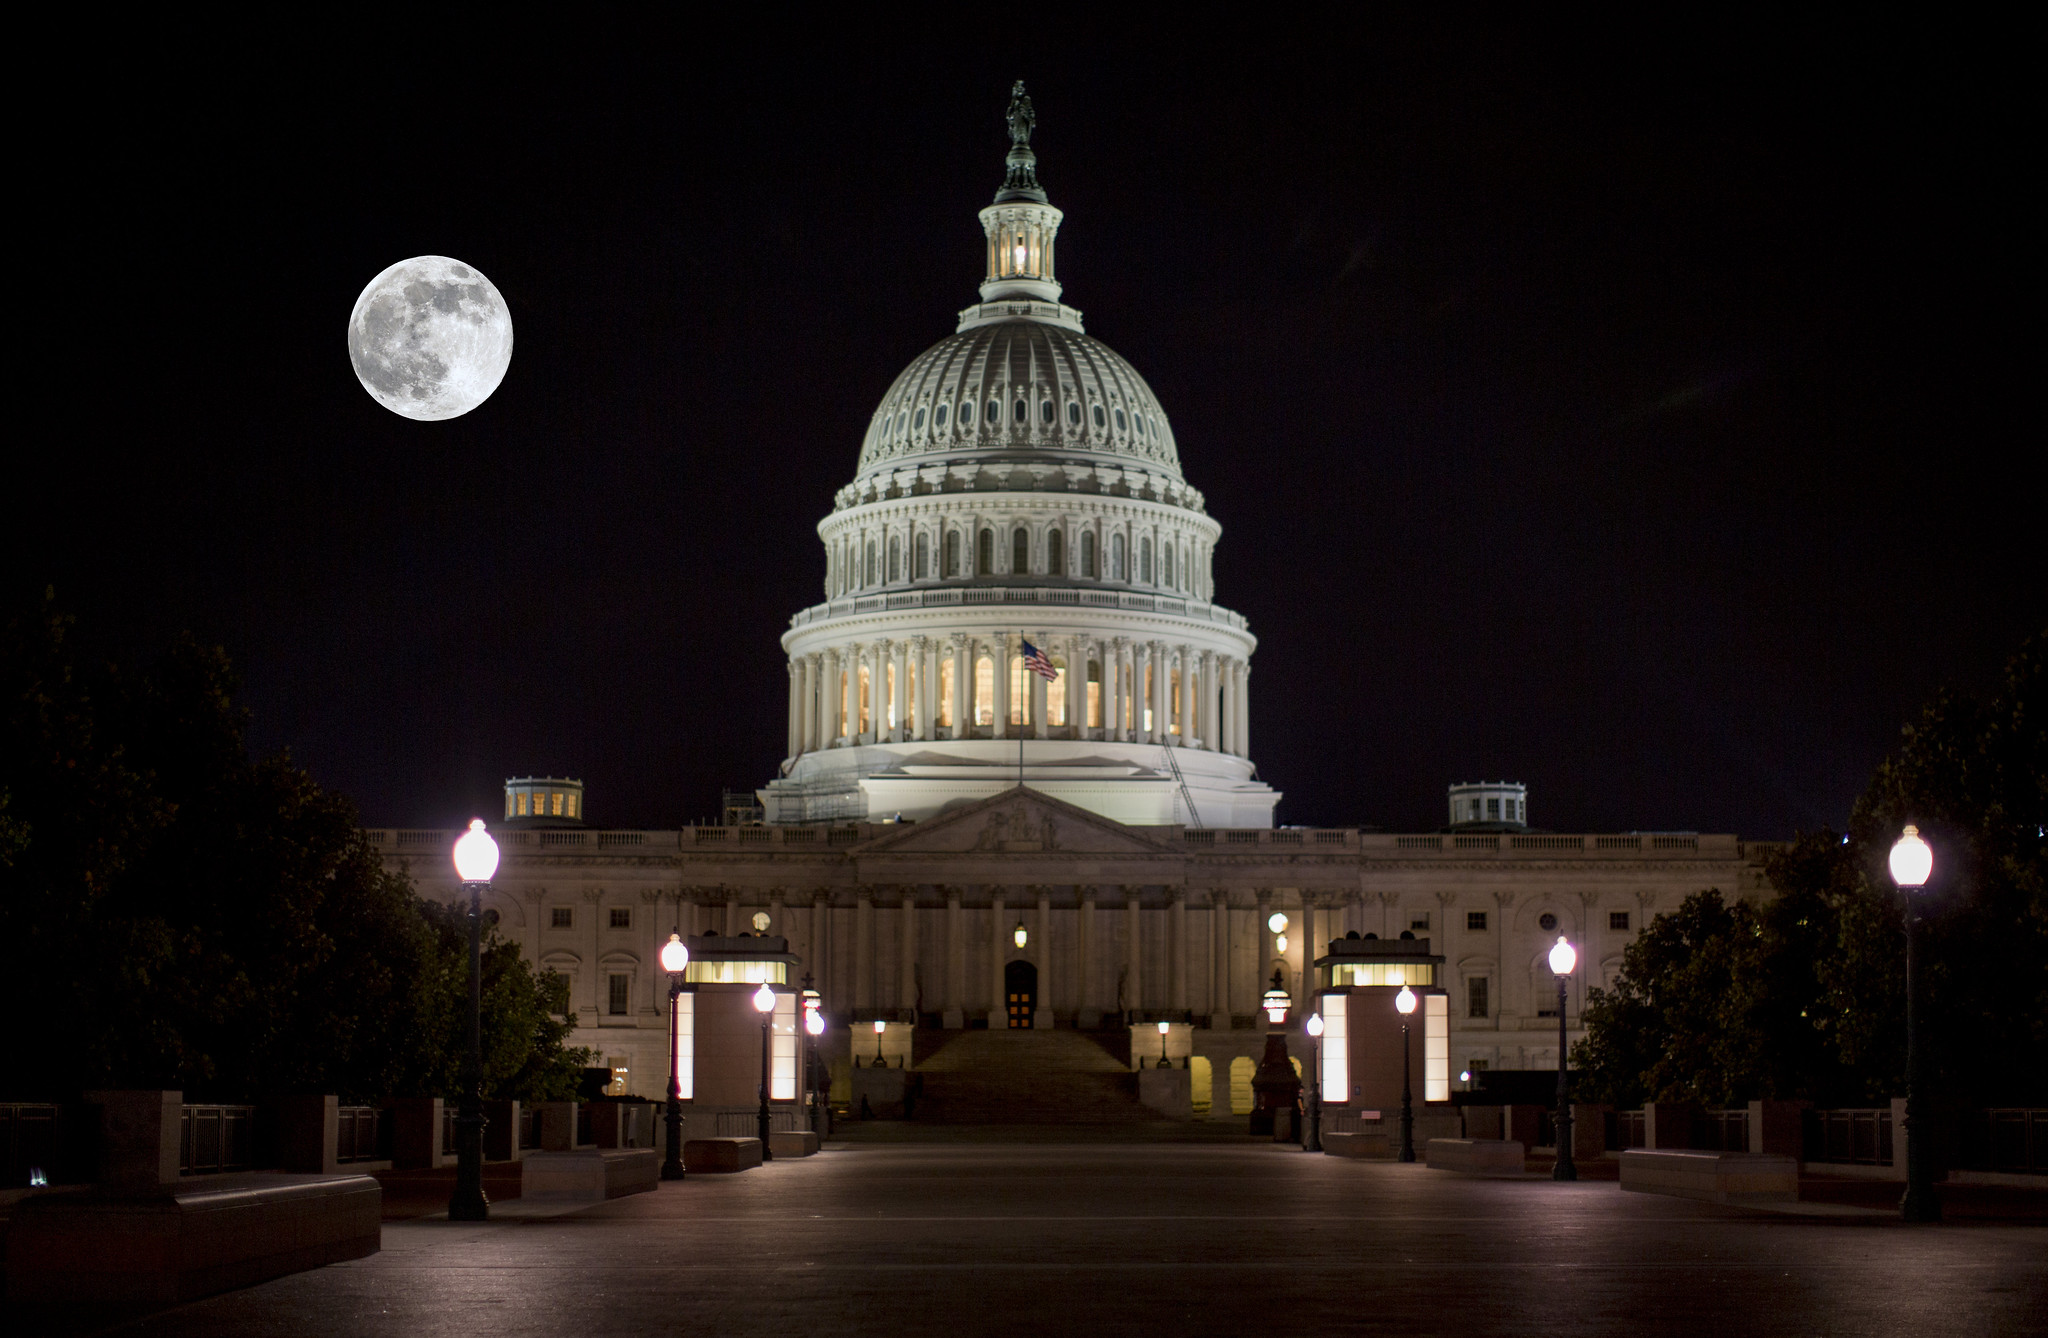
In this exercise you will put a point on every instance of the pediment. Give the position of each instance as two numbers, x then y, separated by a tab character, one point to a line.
1018	821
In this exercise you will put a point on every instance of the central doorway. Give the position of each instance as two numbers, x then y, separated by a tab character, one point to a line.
1020	989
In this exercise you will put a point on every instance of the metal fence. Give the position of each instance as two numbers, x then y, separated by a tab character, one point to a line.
213	1139
1854	1137
2007	1139
745	1123
362	1133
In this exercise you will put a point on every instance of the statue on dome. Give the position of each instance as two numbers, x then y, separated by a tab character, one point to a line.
1020	116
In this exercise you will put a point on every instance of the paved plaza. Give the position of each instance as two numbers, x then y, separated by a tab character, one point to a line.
1130	1237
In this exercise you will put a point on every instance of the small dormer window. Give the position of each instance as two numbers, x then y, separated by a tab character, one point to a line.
1073	413
967	413
1045	411
995	412
1099	423
939	416
918	424
1120	420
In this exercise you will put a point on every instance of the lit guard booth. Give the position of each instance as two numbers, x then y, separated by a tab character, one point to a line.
1357	988
718	1033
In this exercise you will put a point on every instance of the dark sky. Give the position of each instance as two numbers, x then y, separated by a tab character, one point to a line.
1631	412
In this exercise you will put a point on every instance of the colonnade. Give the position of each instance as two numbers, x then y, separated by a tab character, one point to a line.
956	686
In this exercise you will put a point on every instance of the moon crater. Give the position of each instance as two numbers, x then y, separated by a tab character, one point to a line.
430	338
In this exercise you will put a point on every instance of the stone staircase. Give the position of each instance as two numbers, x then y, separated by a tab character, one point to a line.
1027	1077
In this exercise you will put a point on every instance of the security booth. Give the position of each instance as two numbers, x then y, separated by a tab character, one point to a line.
1358	990
719	1042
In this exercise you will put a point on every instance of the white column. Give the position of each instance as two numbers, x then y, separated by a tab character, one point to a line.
899	662
1187	696
831	696
927	689
963	685
1162	693
1134	954
1211	727
998	940
1038	694
1043	1018
1141	695
807	696
792	739
1077	685
1244	710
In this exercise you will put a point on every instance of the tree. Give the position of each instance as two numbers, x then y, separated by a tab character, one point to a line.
184	915
1803	995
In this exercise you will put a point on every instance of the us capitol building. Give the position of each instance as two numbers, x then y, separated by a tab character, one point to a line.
956	839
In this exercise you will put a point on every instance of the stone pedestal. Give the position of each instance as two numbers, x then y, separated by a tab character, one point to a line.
138	1138
1778	1127
589	1174
714	1156
416	1133
558	1126
791	1143
307	1129
501	1131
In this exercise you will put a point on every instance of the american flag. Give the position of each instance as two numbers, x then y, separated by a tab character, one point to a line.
1036	661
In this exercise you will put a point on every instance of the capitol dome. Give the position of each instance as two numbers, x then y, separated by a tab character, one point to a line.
1018	580
1025	386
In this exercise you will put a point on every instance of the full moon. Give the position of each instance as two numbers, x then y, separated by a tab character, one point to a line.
430	338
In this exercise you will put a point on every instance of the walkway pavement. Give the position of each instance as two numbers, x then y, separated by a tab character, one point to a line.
970	1238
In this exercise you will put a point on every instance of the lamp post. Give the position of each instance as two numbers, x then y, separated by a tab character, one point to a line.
1404	1003
764	1004
881	1030
674	957
1164	1027
1315	1084
476	860
1563	957
1912	861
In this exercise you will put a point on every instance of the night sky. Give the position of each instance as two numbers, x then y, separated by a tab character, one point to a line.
1633	413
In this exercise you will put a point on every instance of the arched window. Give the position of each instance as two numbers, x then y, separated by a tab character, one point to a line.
1145	560
1166	562
1055	555
946	692
1116	557
1095	694
1020	551
1045	413
864	696
939	416
1088	554
874	574
917	424
1056	695
995	412
924	556
901	418
1020	691
984	689
1023	414
967	413
1073	413
1120	420
985	554
895	559
952	552
1098	418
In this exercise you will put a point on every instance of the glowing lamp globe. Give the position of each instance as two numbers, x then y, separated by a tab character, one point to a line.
1018	936
880	1026
764	1000
674	956
1563	957
476	854
1405	1001
1315	1025
1277	922
1163	1028
814	1022
1275	1004
1912	859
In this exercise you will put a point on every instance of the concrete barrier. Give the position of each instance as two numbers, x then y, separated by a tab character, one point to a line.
1475	1156
1166	1091
1364	1146
589	1174
1717	1177
94	1252
792	1142
718	1155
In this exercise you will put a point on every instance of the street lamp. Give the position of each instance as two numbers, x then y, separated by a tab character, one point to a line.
1404	1003
764	1004
1275	1002
1315	1084
1563	957
1163	1028
881	1030
817	1080
1018	936
674	958
1912	863
476	860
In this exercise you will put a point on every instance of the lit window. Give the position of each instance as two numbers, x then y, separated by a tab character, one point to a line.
1095	694
562	917
1475	920
1617	920
984	691
620	994
863	705
946	692
1020	691
622	917
1475	997
1098	417
1382	973
1436	1048
686	1043
521	796
555	803
571	803
1336	1051
701	972
939	416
